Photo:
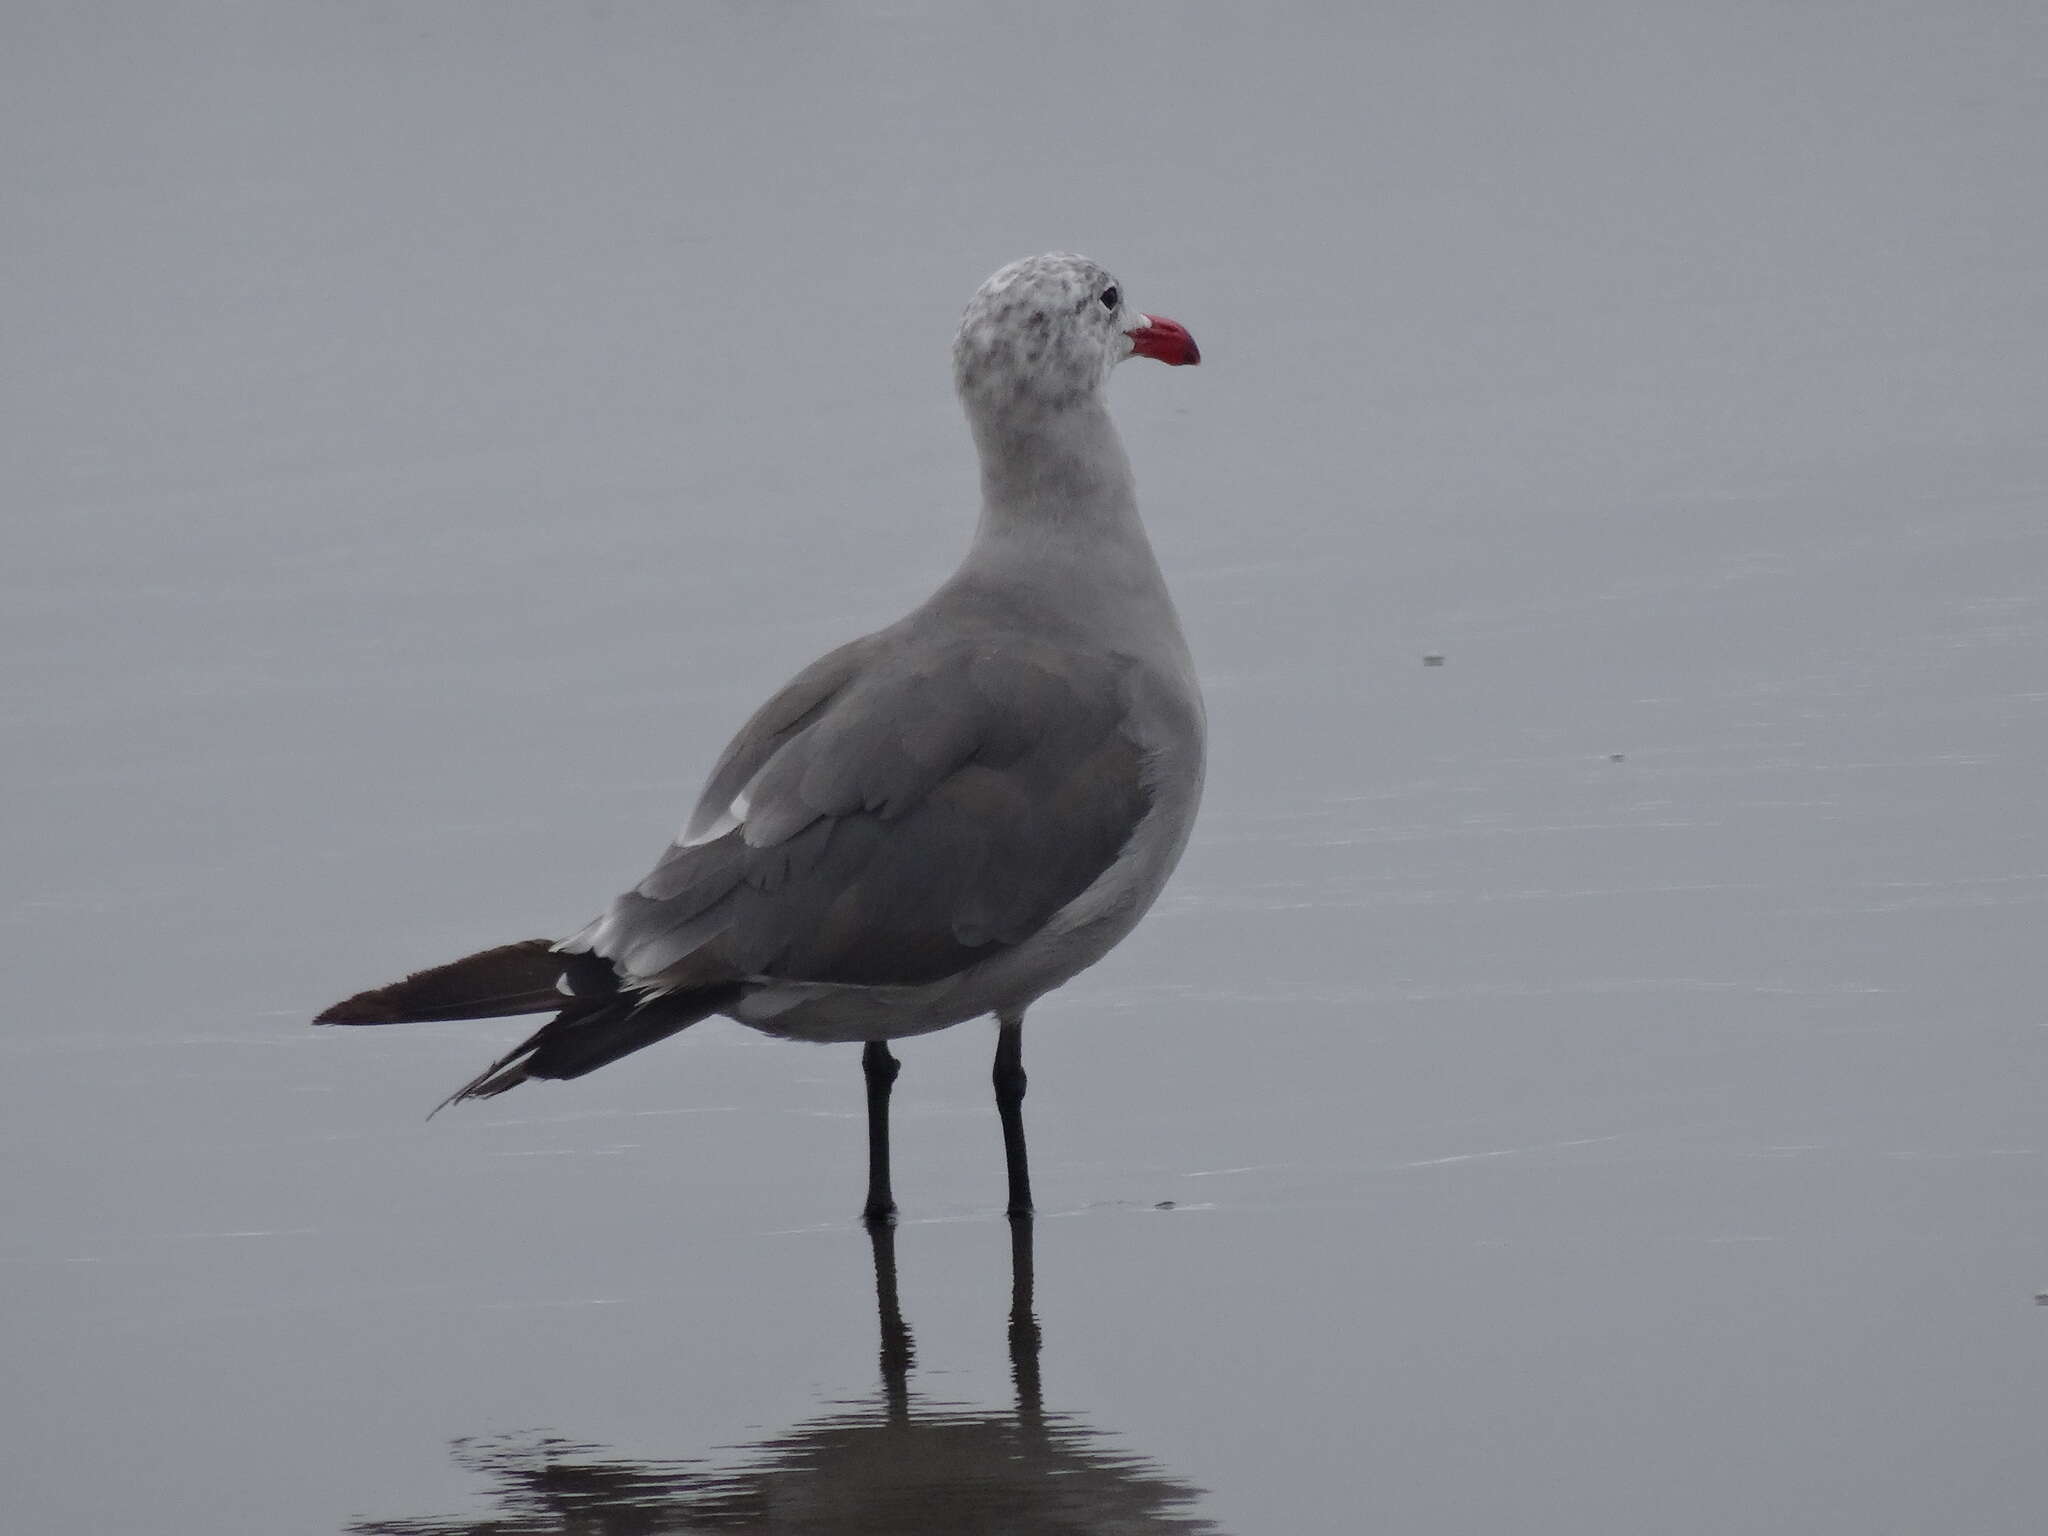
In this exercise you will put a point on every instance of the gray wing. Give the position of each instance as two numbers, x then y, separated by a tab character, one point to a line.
895	817
796	706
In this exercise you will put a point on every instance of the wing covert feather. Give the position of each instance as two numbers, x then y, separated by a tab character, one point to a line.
796	705
898	826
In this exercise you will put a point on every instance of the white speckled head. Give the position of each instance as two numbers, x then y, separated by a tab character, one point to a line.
1043	334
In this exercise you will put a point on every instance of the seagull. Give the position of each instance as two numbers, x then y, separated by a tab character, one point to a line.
942	820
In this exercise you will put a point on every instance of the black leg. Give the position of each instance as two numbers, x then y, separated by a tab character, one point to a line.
1024	1337
1009	1081
880	1069
898	1353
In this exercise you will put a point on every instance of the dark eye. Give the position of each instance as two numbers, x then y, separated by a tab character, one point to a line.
1111	298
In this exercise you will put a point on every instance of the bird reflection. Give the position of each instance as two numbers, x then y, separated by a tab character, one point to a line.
893	1464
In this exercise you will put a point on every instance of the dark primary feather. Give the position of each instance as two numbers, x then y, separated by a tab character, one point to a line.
587	1035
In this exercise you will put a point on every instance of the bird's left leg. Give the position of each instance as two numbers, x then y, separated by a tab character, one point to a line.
1009	1082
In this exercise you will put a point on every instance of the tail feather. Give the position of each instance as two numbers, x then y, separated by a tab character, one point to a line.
513	978
587	1035
594	1022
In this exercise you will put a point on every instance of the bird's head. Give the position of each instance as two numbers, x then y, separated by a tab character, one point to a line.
1043	334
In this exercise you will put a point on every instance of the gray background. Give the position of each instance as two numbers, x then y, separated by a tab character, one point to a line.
428	431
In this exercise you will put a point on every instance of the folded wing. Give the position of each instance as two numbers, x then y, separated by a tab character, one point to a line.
891	821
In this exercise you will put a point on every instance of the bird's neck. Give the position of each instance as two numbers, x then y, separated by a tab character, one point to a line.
1059	515
1055	472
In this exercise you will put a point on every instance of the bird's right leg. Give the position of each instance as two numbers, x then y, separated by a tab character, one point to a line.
880	1069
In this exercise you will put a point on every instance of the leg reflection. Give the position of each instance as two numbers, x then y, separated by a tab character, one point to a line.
885	1462
898	1354
1024	1335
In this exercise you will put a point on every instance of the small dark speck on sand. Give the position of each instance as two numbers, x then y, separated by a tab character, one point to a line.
1617	757
1167	1205
2041	1298
1433	659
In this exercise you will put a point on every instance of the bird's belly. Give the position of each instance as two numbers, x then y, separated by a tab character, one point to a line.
1074	938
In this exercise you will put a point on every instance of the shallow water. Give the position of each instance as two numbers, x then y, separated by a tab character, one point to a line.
1593	1084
